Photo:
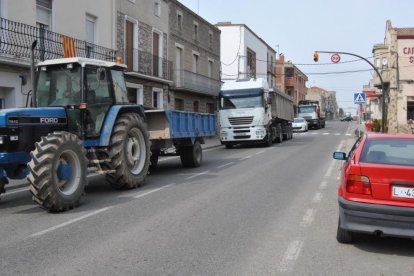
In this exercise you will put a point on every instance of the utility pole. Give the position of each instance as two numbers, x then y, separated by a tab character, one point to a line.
384	117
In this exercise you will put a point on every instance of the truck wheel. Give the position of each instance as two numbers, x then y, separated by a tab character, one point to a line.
192	156
268	141
279	137
129	152
58	171
229	146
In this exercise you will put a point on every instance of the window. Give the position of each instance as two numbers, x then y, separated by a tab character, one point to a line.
410	108
157	98
179	104
179	20
210	68
195	62
195	32
195	106
44	14
121	95
90	29
251	63
157	8
210	108
135	93
210	39
289	73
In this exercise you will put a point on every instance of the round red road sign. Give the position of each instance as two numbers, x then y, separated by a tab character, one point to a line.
335	58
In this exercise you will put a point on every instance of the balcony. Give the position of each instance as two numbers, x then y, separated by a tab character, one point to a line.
386	77
16	39
147	64
194	82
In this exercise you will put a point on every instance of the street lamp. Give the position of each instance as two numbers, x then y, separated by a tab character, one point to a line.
376	70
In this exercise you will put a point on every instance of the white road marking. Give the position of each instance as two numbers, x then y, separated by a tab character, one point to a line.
337	134
260	152
348	134
153	191
314	133
326	133
69	222
15	191
308	218
244	158
225	165
291	255
197	174
323	185
317	197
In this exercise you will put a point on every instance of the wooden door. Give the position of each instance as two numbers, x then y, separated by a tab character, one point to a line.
155	53
129	47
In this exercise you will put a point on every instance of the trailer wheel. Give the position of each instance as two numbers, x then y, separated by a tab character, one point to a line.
279	137
58	171
129	152
191	156
154	159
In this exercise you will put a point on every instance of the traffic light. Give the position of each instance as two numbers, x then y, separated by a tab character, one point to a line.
315	57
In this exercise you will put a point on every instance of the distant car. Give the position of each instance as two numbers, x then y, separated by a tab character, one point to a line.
346	119
376	192
300	124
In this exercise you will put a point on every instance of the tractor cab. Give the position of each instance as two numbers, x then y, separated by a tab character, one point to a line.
86	88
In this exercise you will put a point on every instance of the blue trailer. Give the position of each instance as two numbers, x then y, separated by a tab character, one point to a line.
81	122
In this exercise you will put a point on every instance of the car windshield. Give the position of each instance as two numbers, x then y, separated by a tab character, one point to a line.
59	85
298	120
389	151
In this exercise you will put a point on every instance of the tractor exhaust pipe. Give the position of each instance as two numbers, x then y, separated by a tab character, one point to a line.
32	73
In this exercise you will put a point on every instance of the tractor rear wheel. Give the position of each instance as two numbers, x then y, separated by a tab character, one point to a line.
129	152
58	171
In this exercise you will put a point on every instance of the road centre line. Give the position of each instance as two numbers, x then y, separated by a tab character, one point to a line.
317	197
333	162
225	165
69	222
323	185
244	158
291	255
153	191
260	152
15	191
196	175
326	133
308	218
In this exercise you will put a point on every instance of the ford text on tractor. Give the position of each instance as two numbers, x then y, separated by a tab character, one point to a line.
251	113
81	122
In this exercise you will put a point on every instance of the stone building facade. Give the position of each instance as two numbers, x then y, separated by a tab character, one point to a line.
194	49
327	101
395	60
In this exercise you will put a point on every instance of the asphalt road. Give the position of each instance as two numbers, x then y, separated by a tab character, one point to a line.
245	211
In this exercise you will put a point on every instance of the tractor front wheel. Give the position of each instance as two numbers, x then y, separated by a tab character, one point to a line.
58	171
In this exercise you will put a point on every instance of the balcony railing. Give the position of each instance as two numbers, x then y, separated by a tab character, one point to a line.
148	64
188	80
16	39
386	77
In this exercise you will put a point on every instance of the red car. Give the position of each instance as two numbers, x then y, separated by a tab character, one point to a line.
376	194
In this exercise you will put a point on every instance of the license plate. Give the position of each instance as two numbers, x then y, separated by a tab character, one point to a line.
403	192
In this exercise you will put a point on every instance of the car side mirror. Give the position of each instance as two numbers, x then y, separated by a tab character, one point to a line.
339	155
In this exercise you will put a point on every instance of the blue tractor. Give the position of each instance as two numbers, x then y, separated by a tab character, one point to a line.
81	121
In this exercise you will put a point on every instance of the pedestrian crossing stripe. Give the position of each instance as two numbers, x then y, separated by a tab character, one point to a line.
359	98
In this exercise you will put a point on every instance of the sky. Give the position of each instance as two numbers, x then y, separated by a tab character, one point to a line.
297	28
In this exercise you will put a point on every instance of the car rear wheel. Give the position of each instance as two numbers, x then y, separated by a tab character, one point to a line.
342	235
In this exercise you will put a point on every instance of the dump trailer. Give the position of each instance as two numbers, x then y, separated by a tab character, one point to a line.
250	112
81	122
312	113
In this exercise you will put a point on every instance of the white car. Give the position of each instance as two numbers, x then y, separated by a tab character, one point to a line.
300	124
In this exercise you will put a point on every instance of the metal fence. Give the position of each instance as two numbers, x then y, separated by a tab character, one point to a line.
199	83
16	39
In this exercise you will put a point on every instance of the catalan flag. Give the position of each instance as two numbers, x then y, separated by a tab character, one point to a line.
68	46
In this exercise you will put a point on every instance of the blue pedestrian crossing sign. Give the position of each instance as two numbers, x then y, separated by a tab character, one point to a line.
359	98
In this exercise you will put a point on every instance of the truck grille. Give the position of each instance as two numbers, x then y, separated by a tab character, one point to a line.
236	121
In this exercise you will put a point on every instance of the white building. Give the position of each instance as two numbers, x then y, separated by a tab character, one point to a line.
244	54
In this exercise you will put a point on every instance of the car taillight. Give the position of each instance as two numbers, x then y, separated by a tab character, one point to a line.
358	184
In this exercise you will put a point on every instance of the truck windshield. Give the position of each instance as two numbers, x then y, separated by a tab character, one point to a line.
307	109
240	102
58	85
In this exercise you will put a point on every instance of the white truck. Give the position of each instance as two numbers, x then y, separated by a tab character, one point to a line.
251	113
312	113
